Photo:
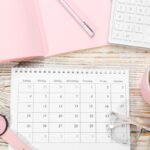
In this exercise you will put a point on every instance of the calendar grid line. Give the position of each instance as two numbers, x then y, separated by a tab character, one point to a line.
111	101
67	92
111	98
33	114
69	102
69	112
79	111
17	105
65	132
95	116
71	83
64	91
126	109
49	115
68	122
64	112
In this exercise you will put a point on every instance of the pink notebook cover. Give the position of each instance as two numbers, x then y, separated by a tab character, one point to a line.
30	28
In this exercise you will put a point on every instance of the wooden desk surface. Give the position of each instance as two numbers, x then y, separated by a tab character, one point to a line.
136	60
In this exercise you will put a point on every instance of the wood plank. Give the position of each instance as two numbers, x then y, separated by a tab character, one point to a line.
110	57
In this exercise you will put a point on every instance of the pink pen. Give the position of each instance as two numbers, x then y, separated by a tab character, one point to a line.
77	18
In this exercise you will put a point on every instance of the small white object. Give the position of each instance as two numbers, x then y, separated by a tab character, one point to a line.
72	111
130	23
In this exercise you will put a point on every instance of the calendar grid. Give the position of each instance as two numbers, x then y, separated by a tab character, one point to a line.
67	112
80	112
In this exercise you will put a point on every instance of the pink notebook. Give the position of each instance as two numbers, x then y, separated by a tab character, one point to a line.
32	28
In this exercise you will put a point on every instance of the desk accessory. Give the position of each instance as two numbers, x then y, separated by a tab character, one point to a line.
40	28
77	18
130	23
145	86
136	128
68	108
10	137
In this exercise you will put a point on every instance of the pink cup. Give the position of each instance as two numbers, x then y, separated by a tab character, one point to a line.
145	86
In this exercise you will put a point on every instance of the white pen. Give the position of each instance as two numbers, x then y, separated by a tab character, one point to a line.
78	19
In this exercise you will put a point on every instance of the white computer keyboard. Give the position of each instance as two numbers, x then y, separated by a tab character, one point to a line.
130	23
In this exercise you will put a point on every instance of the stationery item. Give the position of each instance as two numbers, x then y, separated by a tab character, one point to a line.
81	22
137	129
145	86
9	136
130	23
68	108
31	28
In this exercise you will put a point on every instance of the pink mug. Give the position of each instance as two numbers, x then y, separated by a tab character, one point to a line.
145	86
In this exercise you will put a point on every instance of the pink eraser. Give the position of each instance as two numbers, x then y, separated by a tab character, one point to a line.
145	86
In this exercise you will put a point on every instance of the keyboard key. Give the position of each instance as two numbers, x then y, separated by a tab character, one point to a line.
119	16
130	9
146	38
128	36
130	2
147	11
129	18
119	25
140	10
121	7
128	26
122	1
147	20
139	19
137	37
138	28
140	2
118	35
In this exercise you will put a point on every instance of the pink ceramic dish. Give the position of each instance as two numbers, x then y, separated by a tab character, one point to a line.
145	86
9	136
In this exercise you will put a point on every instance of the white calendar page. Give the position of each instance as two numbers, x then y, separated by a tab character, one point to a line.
68	109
